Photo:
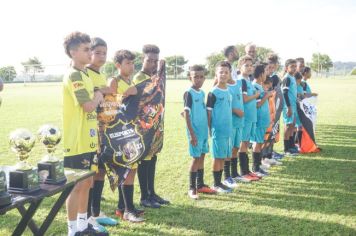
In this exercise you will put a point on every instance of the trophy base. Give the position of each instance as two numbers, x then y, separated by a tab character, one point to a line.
5	199
23	181
55	172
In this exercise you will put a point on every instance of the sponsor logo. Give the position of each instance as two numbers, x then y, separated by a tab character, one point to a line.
92	145
122	133
92	132
91	116
196	100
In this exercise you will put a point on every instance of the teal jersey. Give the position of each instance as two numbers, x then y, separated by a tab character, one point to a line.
300	91
250	108
306	87
194	102
219	103
263	115
237	103
290	84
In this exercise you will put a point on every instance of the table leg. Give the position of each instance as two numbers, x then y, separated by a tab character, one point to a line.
20	228
31	224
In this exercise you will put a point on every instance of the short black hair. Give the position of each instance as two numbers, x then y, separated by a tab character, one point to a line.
268	80
223	64
73	40
150	48
228	50
96	42
272	58
306	70
300	59
290	61
123	54
259	70
196	68
298	76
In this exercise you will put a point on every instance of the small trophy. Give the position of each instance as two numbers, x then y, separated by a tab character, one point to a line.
24	179
5	197
50	166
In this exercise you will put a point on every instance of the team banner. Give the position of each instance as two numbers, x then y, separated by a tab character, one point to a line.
307	114
131	128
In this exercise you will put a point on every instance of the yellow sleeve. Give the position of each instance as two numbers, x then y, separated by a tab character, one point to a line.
77	88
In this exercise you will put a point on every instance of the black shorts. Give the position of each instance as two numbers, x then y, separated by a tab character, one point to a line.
82	161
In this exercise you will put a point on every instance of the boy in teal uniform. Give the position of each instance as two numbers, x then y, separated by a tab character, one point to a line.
220	123
196	119
250	116
263	117
306	72
98	218
289	88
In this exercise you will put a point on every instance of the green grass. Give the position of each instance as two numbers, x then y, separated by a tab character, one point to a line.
309	195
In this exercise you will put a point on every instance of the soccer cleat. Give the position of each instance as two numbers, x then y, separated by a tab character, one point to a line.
102	219
132	217
160	200
251	178
230	183
222	189
91	231
206	189
120	212
193	194
96	226
276	155
262	171
241	179
150	203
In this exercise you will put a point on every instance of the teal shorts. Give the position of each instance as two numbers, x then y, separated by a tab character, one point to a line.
202	147
259	136
291	119
236	137
248	131
222	147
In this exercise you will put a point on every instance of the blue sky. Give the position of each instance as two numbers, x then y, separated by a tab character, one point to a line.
190	28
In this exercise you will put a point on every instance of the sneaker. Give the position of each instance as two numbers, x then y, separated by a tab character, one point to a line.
254	175
251	178
160	200
275	162
290	153
132	217
262	171
96	226
120	212
206	189
150	203
276	155
91	231
193	194
222	189
229	182
241	179
102	219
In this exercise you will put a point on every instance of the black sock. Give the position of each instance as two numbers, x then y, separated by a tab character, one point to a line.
151	176
256	161
227	173
193	178
127	191
96	197
286	145
90	199
300	135
142	171
234	172
217	181
247	163
244	170
200	178
121	203
291	141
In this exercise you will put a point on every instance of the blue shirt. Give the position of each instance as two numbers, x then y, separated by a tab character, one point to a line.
219	103
307	88
300	91
263	116
194	102
250	108
237	103
290	84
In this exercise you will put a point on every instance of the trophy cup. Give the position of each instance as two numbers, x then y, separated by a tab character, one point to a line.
50	136
5	197
24	179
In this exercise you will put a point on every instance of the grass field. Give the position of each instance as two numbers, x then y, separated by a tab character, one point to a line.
308	195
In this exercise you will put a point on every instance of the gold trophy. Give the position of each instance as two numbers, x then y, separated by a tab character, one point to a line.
24	179
50	136
5	197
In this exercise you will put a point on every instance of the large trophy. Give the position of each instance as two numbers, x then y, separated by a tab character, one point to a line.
53	169
24	179
5	197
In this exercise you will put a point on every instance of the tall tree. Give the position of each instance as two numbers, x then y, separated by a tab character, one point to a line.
175	64
33	66
321	62
8	73
109	69
138	61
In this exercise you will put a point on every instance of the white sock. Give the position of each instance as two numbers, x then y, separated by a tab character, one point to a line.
72	227
82	221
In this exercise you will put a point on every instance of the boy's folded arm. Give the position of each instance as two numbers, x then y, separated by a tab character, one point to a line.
238	112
